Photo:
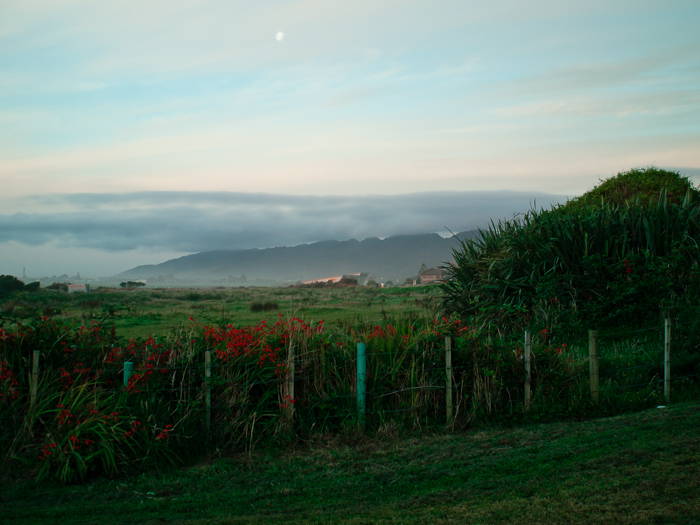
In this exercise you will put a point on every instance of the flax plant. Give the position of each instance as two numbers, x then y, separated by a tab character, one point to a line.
602	265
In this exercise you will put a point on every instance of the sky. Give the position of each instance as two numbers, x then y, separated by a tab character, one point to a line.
135	132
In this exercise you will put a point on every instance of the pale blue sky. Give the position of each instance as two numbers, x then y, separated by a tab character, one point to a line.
360	97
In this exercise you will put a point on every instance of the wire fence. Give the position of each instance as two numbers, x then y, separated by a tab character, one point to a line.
232	400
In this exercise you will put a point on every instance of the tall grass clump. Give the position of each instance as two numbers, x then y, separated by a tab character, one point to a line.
263	306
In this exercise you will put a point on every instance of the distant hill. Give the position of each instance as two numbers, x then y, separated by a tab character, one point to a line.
392	258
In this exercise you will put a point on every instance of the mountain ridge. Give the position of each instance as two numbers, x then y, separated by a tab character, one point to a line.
393	258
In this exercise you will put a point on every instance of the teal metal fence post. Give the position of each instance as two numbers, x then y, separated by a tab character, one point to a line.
361	385
128	369
667	361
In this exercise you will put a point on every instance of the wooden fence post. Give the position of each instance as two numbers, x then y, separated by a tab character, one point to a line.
35	379
289	385
528	376
207	388
128	369
448	379
594	365
361	386
667	360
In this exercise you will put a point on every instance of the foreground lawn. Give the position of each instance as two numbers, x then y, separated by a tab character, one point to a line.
636	468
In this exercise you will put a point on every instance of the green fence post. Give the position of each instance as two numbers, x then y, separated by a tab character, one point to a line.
361	376
667	361
128	369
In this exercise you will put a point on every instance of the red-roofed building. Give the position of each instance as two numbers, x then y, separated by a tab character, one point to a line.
432	275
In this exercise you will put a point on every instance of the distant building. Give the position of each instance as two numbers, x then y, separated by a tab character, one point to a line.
361	278
73	288
432	275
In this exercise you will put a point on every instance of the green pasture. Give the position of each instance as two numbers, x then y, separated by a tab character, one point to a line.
636	468
143	312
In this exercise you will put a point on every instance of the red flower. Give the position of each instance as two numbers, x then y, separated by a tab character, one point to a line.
135	427
627	267
48	450
165	434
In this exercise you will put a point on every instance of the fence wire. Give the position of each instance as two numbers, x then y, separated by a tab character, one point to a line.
490	381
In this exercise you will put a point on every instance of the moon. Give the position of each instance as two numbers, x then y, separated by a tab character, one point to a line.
280	36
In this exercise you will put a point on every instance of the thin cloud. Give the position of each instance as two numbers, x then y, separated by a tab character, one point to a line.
644	70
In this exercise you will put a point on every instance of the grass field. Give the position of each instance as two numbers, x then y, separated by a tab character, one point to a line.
635	468
157	312
639	467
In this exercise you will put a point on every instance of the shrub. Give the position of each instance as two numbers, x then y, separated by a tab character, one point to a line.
602	266
9	284
263	306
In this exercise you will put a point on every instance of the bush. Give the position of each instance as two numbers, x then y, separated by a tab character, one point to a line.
9	284
32	287
601	266
263	306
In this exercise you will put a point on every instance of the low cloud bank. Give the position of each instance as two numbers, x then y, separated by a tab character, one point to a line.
202	221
